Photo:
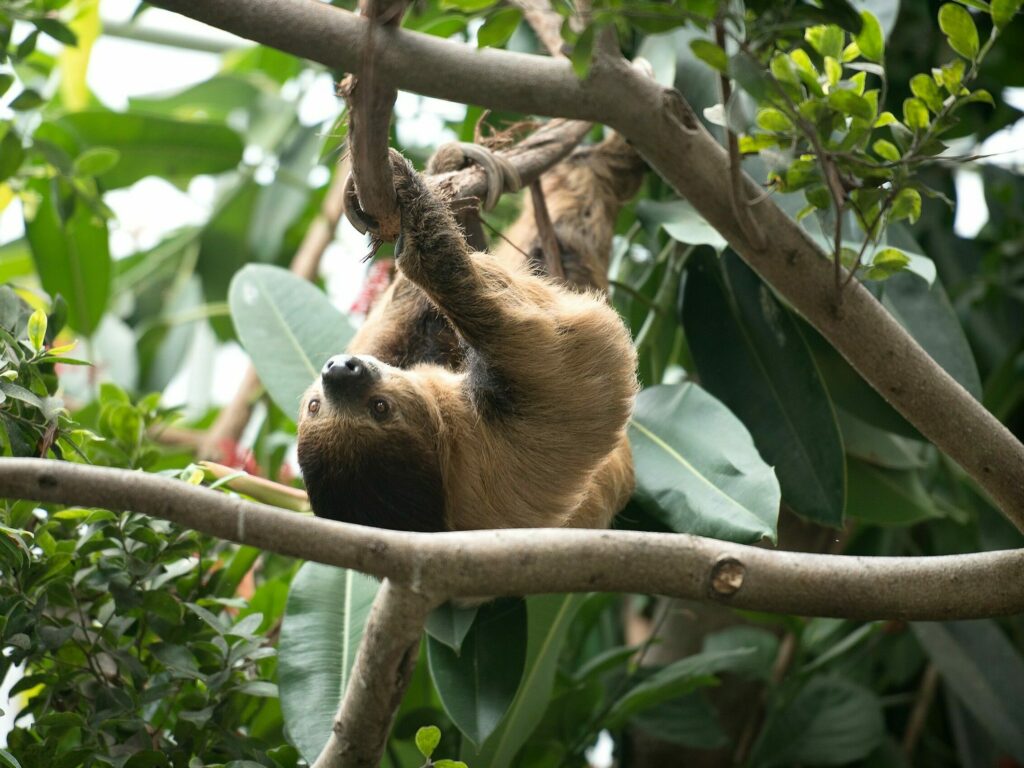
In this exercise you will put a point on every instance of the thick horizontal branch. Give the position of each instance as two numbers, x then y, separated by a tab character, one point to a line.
520	562
664	129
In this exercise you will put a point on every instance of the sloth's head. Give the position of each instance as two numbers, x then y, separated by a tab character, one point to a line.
369	446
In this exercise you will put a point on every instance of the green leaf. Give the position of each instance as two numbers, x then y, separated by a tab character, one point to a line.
6	81
956	22
549	619
870	39
710	54
449	623
771	119
762	644
26	100
886	150
446	763
887	496
16	392
96	161
826	39
57	30
11	155
952	76
697	469
427	739
689	720
467	6
288	327
925	88
676	679
1003	12
72	255
320	633
213	99
37	329
499	27
681	221
583	52
905	205
878	447
751	355
749	73
985	671
151	145
8	760
886	263
831	721
477	685
850	103
915	114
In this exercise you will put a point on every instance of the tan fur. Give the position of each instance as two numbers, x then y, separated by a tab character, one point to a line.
510	391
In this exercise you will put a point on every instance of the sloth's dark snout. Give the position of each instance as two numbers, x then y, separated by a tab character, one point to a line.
346	373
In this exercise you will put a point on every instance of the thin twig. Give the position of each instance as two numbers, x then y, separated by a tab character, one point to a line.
546	232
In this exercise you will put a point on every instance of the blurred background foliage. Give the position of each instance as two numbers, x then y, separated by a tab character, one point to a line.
155	179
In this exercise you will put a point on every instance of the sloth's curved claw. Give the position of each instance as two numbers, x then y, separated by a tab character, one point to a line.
358	218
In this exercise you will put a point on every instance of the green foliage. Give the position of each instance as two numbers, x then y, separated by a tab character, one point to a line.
146	645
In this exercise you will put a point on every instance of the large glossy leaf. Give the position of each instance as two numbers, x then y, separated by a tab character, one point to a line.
881	448
323	624
151	145
697	470
850	392
926	313
448	624
288	327
681	221
982	667
548	621
888	496
676	679
750	354
690	721
72	254
213	99
477	683
831	721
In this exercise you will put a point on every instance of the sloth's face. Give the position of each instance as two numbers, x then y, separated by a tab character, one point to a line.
368	446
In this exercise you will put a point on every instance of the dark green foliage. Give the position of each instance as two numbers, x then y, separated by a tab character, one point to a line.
145	645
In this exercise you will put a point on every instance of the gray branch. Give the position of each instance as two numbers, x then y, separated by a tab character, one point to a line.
665	130
525	562
380	675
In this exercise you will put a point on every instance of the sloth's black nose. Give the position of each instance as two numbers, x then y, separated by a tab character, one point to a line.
343	368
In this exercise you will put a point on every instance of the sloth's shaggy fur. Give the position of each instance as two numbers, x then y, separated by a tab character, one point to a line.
488	396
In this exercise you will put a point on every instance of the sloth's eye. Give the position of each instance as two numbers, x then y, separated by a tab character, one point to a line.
380	408
313	407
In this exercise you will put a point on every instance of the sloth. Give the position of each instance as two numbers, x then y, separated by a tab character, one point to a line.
479	393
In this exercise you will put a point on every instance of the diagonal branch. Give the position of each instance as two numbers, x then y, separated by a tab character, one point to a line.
522	562
663	127
380	675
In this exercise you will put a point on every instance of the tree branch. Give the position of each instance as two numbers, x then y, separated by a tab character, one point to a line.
663	127
522	562
383	666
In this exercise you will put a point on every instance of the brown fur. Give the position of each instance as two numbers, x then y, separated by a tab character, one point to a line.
509	395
